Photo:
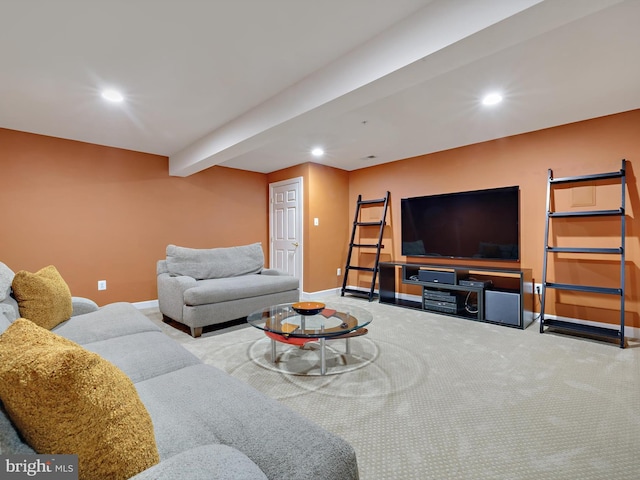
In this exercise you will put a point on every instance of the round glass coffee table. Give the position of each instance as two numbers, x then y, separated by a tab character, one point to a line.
309	322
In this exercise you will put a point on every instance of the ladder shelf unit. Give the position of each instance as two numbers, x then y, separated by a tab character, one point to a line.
372	247
565	326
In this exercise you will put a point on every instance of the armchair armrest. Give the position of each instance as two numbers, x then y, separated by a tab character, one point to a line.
83	305
171	290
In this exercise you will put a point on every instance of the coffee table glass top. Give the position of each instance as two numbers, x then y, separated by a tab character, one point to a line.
333	320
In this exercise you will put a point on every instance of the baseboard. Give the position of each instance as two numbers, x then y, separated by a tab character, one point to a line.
332	291
320	294
146	304
629	332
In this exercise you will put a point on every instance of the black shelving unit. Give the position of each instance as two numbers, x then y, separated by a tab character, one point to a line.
375	248
619	213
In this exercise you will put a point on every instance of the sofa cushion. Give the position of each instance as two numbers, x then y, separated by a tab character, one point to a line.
205	463
63	398
9	308
43	297
143	355
284	444
6	277
235	288
10	440
215	262
113	320
4	319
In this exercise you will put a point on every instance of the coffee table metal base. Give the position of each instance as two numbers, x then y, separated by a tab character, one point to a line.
303	341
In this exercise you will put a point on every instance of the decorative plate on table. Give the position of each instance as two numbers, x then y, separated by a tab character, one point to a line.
308	308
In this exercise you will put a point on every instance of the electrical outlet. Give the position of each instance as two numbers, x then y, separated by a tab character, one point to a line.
339	272
538	288
102	284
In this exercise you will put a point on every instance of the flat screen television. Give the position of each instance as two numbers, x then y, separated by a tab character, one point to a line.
481	224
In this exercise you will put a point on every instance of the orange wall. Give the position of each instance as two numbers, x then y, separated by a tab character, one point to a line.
327	243
100	213
326	197
104	213
592	146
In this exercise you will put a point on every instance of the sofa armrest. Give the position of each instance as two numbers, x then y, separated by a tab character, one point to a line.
171	290
83	305
273	271
9	308
204	463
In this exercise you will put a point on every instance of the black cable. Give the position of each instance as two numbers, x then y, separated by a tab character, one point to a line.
539	303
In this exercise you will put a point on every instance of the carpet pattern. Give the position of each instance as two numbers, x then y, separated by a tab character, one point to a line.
426	396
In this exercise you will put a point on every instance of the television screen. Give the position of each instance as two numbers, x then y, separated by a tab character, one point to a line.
478	224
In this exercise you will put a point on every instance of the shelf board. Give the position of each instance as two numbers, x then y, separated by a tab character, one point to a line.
361	269
589	213
581	328
584	288
369	224
359	293
617	250
588	178
403	303
371	202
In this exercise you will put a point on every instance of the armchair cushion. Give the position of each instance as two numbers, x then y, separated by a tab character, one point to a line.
273	271
229	289
43	297
215	262
63	398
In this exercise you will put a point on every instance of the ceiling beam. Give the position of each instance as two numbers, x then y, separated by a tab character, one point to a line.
437	26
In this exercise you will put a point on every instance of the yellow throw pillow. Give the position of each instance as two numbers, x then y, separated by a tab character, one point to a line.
43	297
66	400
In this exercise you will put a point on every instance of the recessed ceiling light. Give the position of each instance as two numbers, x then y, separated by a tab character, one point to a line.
492	99
317	152
112	95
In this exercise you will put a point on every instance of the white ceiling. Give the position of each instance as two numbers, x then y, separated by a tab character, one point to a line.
255	84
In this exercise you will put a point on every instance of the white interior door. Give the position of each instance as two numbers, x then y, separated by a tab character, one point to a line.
285	226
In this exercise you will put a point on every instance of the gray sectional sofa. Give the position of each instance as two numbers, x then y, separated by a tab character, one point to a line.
201	287
207	424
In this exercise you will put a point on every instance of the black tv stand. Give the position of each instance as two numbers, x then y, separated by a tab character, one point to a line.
503	296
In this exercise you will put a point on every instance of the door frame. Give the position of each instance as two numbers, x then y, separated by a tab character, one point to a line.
299	220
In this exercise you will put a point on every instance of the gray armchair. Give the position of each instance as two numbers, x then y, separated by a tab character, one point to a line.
201	287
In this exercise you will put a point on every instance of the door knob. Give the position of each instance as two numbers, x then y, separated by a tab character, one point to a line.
295	244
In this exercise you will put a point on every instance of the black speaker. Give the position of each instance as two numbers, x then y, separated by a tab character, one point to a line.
502	307
437	276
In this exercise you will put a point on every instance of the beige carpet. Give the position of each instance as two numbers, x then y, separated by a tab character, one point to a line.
426	396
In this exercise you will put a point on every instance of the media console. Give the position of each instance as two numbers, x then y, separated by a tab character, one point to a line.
502	296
